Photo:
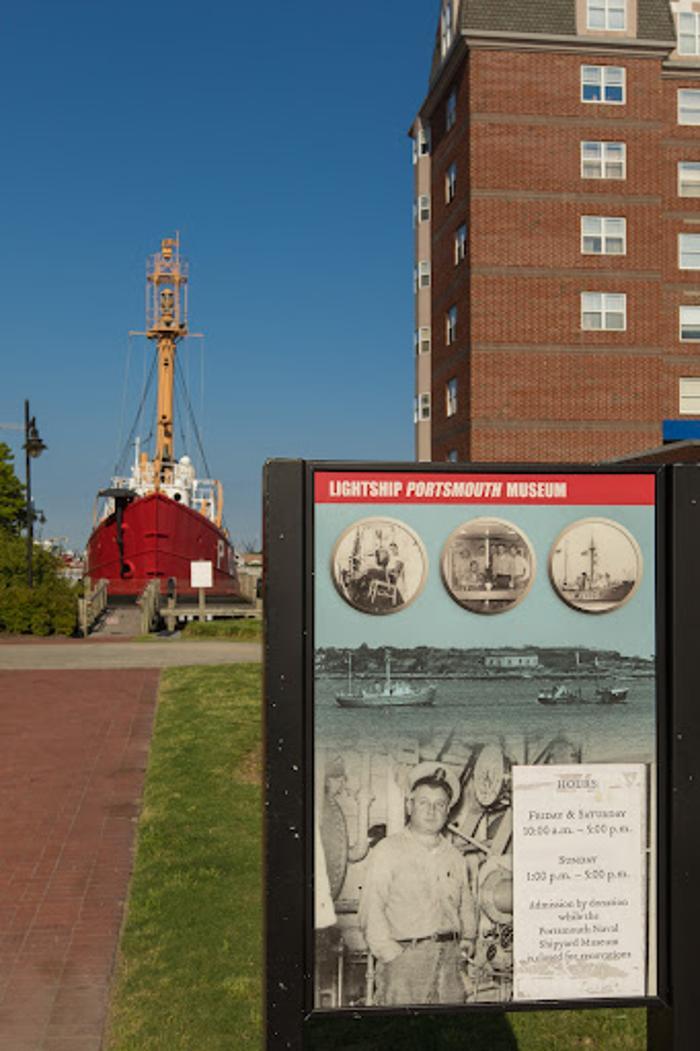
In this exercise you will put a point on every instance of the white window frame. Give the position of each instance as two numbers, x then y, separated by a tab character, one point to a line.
690	178
451	183
603	231
421	275
605	74
606	161
446	27
601	303
422	340
691	33
421	143
460	243
451	110
686	324
451	397
451	326
423	208
689	251
421	407
689	106
609	9
689	396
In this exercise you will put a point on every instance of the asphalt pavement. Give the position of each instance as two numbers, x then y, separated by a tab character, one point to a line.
86	654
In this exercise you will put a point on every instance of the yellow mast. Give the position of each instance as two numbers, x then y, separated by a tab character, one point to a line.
166	324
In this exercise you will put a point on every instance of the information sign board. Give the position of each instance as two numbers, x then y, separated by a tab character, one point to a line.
579	918
478	685
201	574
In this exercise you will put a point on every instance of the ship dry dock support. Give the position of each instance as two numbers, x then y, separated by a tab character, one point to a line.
292	559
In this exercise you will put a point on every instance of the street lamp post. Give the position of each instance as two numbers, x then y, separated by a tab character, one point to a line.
33	447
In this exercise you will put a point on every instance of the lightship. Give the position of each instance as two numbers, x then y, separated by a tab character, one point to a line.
161	518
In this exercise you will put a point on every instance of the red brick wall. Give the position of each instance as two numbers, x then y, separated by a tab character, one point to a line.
532	384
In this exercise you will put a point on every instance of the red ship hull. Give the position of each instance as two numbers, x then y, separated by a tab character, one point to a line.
160	538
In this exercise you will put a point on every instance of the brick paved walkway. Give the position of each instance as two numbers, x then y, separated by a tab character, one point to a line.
73	752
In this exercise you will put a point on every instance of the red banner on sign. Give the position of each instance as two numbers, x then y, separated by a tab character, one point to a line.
407	487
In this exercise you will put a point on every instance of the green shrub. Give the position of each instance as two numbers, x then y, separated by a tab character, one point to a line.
16	609
50	606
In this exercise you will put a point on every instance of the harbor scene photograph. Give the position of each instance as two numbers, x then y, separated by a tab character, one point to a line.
605	701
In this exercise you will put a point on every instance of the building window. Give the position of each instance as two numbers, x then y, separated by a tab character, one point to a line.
452	456
602	235
421	143
603	311
689	396
689	178
688	33
689	251
421	275
605	14
603	84
421	407
460	243
451	326
450	183
451	397
689	323
421	340
451	110
603	160
688	106
423	208
446	29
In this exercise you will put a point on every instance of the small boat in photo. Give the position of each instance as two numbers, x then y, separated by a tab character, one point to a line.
560	695
612	694
388	693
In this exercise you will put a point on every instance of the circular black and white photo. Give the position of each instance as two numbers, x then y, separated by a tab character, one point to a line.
379	565
595	565
488	565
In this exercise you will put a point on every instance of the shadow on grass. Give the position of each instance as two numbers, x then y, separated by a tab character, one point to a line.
483	1032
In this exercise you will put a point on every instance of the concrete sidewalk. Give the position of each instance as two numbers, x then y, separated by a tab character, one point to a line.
84	654
73	753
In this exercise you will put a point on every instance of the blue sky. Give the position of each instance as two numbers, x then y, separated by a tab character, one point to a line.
274	137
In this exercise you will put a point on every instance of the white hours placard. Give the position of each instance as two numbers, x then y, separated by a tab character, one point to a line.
579	878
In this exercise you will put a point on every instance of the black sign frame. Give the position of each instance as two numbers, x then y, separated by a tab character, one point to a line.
292	1023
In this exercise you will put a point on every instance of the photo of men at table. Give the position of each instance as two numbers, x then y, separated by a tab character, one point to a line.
488	565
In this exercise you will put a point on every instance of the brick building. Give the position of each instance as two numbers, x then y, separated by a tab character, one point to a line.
557	218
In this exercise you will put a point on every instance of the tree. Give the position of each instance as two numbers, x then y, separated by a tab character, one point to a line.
50	606
12	499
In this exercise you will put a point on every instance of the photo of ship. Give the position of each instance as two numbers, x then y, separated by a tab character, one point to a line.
595	565
385	693
156	521
563	694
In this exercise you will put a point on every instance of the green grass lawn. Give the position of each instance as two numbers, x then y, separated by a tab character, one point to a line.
240	629
190	959
189	970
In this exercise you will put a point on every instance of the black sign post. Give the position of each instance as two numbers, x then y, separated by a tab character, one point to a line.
673	1026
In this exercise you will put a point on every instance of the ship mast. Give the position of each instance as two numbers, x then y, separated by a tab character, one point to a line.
166	324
